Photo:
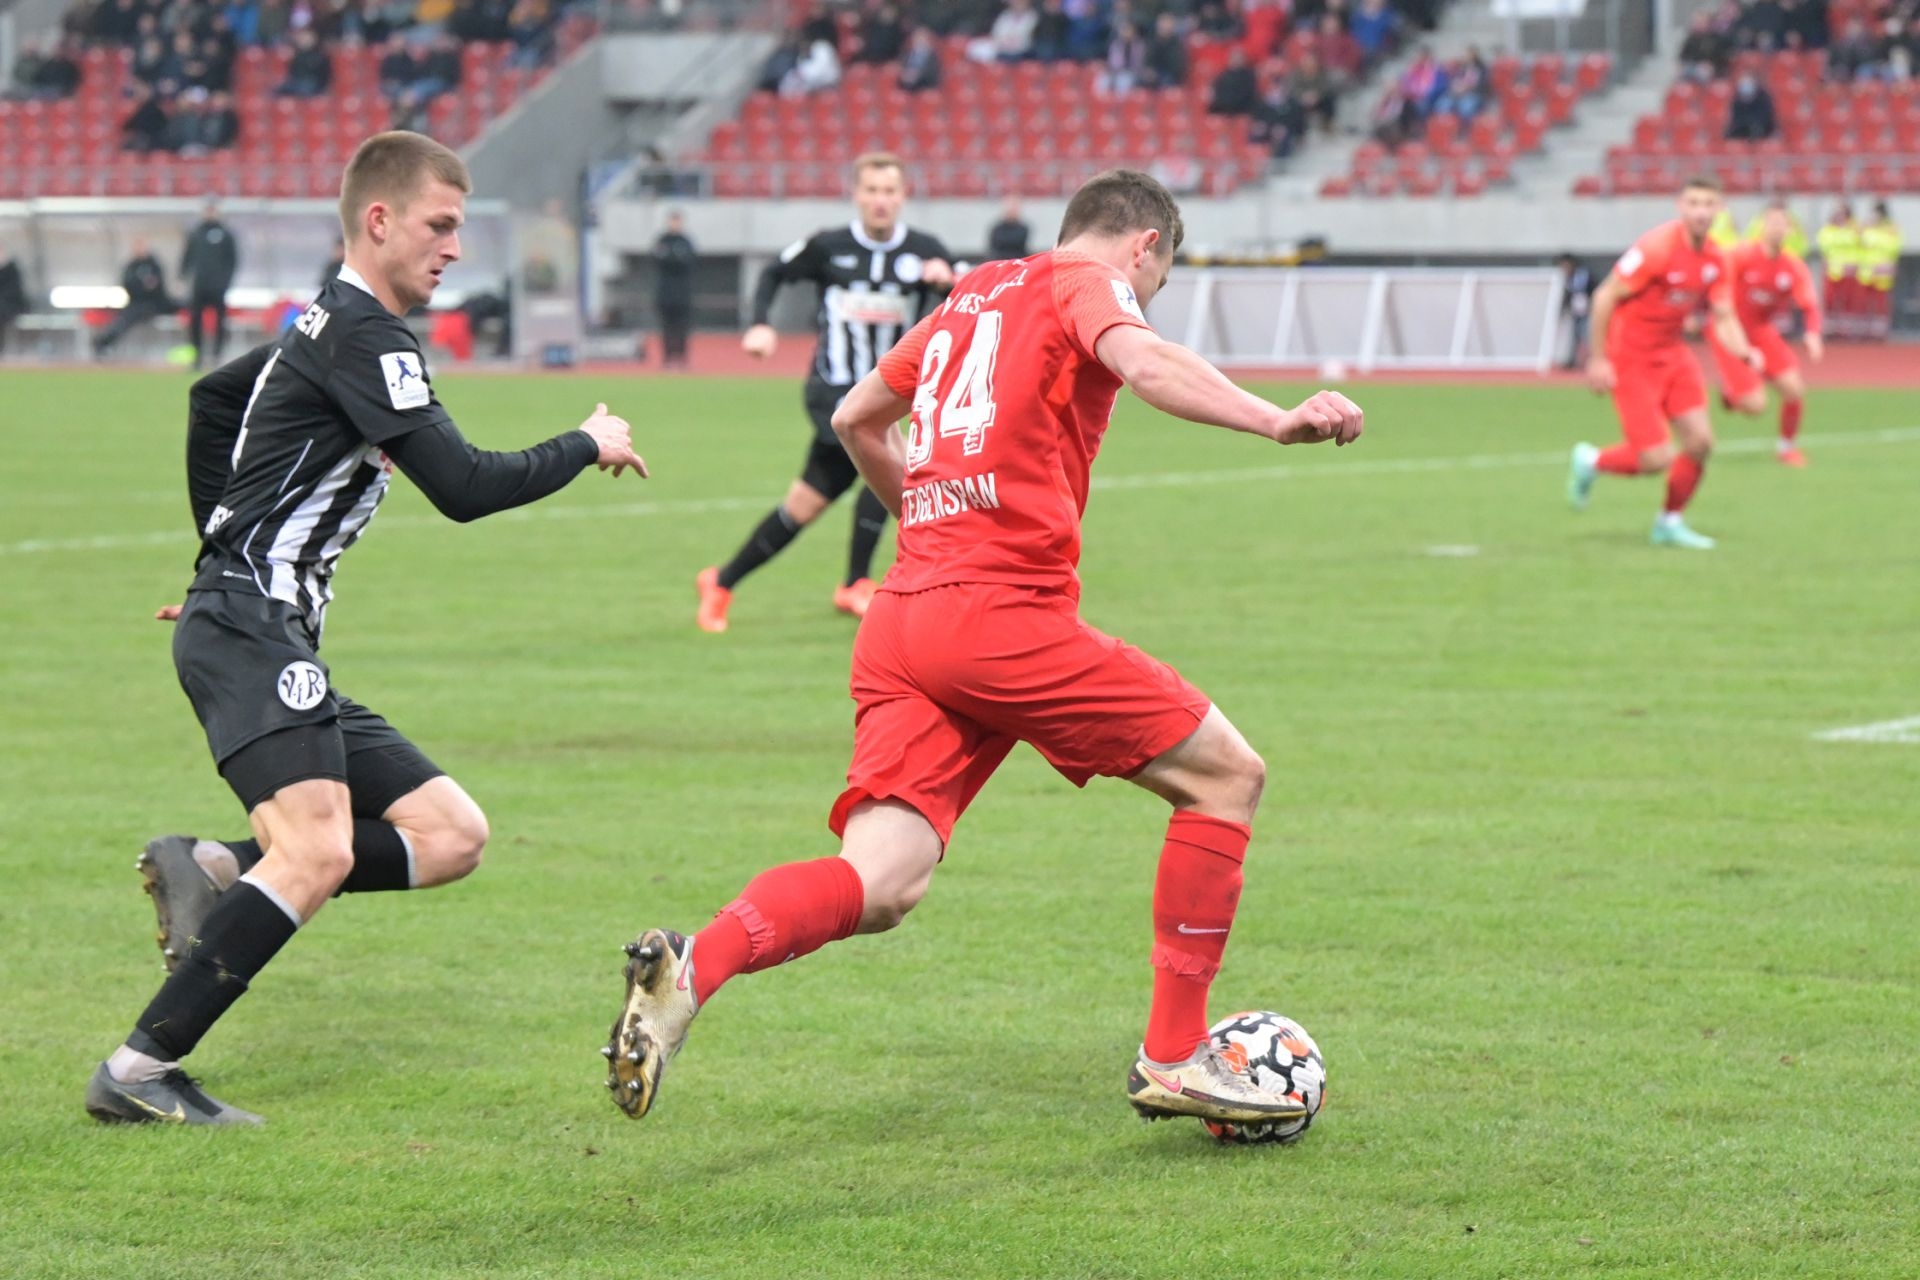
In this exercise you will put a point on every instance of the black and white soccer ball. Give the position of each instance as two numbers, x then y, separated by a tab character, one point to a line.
1282	1058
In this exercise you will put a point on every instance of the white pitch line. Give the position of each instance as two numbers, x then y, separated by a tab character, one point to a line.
1907	730
1358	468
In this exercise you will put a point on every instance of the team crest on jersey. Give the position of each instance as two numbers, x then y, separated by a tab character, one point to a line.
1782	281
909	267
1129	302
406	376
302	685
1709	273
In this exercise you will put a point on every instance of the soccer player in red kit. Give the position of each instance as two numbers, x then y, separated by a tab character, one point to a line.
1768	280
974	642
1640	355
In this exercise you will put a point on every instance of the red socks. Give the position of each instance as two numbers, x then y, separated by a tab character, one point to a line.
1194	898
1682	479
1619	460
1790	411
784	913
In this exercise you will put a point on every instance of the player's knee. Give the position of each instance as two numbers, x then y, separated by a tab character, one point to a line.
459	840
1249	776
887	909
1700	449
324	862
1752	405
1656	460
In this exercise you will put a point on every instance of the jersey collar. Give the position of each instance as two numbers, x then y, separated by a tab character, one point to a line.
865	241
347	275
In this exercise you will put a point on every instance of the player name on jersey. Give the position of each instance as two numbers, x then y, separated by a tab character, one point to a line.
925	503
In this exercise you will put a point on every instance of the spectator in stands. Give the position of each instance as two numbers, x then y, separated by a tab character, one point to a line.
273	22
1423	84
309	71
920	67
13	294
1008	237
1236	91
366	23
1467	84
1376	28
149	65
1751	116
1087	30
882	34
1311	87
146	289
1339	52
818	68
1126	60
398	68
147	128
1010	39
820	25
674	259
116	22
785	57
1854	55
1763	25
59	73
439	69
1221	20
1052	32
530	26
1166	54
26	71
1279	121
1806	22
1704	53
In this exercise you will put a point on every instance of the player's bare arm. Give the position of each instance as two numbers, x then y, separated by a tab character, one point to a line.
1600	372
1179	381
866	423
1726	328
1816	347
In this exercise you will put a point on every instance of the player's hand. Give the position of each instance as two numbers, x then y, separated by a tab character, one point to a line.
1600	375
1816	348
167	613
1693	325
937	272
760	341
1756	359
615	439
1325	415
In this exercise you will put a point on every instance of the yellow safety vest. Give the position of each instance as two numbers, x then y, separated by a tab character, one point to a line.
1722	232
1839	249
1879	254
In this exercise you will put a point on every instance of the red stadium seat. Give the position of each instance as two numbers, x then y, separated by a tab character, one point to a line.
1588	187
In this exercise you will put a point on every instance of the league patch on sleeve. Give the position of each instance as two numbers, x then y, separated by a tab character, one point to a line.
406	378
1123	294
1630	262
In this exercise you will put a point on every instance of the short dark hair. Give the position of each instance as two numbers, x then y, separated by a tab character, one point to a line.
1120	202
392	168
1703	182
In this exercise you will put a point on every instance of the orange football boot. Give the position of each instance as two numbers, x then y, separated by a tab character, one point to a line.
714	600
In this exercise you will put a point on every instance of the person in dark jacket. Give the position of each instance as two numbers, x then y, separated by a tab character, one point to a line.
13	294
674	259
207	267
147	296
1008	237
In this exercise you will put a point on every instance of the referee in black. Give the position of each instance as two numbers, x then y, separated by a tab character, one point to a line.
207	266
338	799
877	277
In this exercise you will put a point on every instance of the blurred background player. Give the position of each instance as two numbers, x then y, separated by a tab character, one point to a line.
876	276
1011	385
674	259
1768	280
1640	355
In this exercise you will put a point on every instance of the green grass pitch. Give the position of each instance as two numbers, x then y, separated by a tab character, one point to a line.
1611	959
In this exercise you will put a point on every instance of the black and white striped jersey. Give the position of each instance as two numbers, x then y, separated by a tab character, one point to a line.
307	467
871	292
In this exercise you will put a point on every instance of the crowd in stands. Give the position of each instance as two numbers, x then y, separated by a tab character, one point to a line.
1127	45
1882	45
1429	88
183	54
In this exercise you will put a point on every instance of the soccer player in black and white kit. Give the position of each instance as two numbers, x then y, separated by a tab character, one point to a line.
877	277
306	430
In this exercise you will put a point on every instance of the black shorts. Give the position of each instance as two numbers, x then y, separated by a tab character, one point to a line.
827	469
251	669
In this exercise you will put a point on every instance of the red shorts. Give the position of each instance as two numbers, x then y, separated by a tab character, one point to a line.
1738	379
1649	391
946	680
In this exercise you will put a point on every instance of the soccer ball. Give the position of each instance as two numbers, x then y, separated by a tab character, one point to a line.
1282	1058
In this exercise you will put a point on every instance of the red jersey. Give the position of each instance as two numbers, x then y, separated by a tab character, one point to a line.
1009	407
1765	286
1666	278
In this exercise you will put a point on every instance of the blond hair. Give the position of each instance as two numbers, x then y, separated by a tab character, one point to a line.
392	168
878	160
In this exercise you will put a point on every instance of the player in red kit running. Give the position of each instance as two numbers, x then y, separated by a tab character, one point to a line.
974	642
1769	280
1641	356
